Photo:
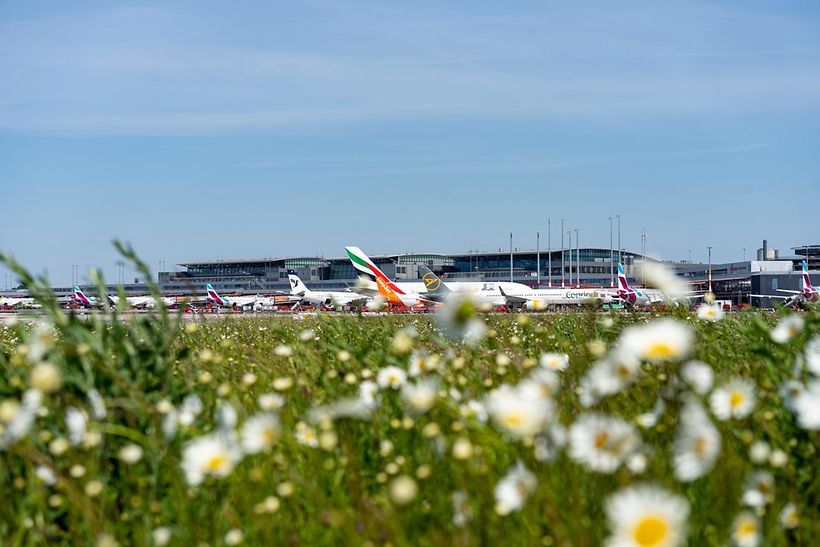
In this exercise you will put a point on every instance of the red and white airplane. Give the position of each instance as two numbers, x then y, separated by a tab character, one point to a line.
808	293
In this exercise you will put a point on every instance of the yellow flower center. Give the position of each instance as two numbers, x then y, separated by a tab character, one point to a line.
601	439
747	528
650	530
268	435
700	447
736	399
513	420
216	462
660	350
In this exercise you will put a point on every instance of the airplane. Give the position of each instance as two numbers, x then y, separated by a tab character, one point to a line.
79	297
809	293
141	302
509	294
391	292
326	298
255	303
635	297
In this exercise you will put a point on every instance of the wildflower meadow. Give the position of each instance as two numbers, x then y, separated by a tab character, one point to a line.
456	428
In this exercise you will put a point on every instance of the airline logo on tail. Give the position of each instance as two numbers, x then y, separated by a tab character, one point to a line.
627	293
213	296
364	264
296	285
431	281
810	292
80	297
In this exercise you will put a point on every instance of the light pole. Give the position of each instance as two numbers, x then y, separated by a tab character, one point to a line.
710	268
618	216
744	254
569	237
562	253
538	258
690	256
549	246
611	262
577	260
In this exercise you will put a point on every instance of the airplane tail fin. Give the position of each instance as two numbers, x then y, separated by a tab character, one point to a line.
806	278
623	284
432	282
212	294
296	285
362	263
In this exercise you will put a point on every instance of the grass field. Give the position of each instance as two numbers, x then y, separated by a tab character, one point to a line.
572	429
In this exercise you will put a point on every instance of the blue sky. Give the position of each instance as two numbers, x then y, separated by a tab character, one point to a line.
201	130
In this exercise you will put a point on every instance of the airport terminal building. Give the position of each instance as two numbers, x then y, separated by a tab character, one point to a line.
584	266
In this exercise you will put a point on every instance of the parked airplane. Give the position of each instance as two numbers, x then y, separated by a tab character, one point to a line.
80	297
390	291
15	303
808	293
140	302
326	298
255	302
635	297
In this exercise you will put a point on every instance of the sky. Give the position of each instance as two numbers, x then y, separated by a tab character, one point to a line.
220	130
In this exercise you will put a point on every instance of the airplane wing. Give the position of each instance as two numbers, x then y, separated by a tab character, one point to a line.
788	291
511	299
771	296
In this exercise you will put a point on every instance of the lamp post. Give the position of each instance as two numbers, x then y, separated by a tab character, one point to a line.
549	246
710	268
618	216
611	262
562	253
569	244
577	260
538	258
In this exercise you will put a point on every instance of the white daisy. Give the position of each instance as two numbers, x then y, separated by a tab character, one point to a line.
23	419
75	421
646	515
789	516
368	392
209	456
807	406
260	432
391	377
518	413
306	435
657	341
698	375
789	326
734	399
602	442
474	409
554	361
422	363
459	320
759	452
697	444
352	407
421	396
746	530
270	401
759	489
540	383
608	377
130	453
513	490
710	312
